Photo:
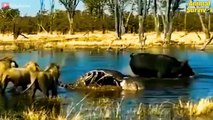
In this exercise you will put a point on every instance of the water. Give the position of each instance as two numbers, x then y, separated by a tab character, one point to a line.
75	64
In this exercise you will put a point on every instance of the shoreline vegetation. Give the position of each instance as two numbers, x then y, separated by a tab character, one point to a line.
97	40
104	108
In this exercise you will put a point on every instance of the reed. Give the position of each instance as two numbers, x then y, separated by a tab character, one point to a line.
106	109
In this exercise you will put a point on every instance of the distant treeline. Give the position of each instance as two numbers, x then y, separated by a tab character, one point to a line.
84	21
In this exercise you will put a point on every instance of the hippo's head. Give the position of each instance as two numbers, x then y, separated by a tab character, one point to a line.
131	85
186	70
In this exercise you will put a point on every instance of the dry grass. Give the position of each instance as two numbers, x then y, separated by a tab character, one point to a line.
203	107
166	110
97	39
107	109
32	114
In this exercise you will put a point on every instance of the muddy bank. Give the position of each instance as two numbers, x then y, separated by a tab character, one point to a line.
96	40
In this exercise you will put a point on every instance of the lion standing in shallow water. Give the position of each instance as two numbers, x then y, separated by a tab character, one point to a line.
19	76
45	81
6	63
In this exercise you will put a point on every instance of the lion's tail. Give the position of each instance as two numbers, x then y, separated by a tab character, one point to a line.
31	84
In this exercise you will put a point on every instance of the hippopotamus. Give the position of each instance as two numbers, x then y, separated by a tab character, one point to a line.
159	66
104	79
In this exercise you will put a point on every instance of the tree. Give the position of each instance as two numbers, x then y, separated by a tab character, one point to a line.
70	6
185	21
11	15
116	8
129	15
61	23
171	7
52	4
156	19
41	16
206	24
111	6
97	7
118	19
142	12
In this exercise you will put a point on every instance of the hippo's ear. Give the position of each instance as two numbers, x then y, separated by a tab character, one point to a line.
131	55
185	62
37	64
58	66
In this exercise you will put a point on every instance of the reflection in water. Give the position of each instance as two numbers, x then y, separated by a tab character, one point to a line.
112	95
75	64
14	102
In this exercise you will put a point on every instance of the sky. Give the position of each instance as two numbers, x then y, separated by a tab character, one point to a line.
31	7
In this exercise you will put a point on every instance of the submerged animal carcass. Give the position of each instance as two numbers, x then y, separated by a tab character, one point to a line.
105	79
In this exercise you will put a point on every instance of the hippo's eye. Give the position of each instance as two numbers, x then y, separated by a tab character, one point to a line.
179	75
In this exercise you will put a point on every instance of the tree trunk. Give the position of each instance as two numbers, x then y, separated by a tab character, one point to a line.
140	31
157	26
15	32
127	20
117	20
126	24
206	43
164	25
3	30
185	22
122	23
71	20
169	31
204	28
42	28
207	33
52	2
103	26
39	27
142	15
209	23
165	30
157	20
51	25
167	23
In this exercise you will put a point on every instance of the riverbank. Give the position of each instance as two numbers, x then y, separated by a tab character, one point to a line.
96	40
